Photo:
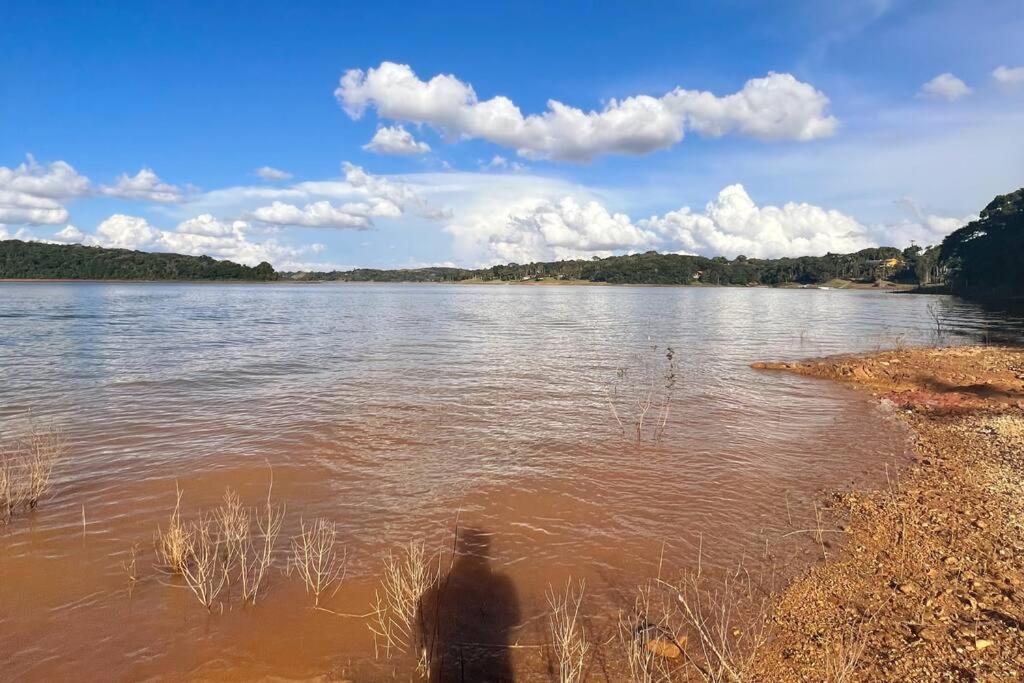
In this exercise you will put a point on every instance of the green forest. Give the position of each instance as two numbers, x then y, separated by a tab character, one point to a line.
912	265
38	260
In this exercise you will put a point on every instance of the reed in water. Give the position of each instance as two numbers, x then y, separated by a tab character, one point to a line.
26	469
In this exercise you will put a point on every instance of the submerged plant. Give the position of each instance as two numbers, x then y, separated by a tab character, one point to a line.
316	558
26	469
409	575
640	397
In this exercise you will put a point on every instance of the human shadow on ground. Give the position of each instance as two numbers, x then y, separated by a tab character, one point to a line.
466	620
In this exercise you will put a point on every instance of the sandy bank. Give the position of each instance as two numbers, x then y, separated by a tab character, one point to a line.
926	581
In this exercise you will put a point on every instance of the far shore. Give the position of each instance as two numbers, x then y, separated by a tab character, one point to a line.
545	282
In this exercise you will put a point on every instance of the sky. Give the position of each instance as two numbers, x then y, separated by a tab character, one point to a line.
329	135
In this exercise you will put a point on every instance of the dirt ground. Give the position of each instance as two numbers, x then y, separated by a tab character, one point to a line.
924	580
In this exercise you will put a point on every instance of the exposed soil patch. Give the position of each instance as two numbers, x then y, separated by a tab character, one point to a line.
927	583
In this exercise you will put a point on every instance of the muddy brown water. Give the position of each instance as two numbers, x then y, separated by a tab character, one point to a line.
399	412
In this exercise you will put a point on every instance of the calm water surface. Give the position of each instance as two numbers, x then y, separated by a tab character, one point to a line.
396	410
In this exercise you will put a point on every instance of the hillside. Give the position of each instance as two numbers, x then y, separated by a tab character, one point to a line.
675	269
37	260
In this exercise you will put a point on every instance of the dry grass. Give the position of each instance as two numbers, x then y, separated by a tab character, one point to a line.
408	576
232	545
26	469
568	637
646	638
316	558
172	546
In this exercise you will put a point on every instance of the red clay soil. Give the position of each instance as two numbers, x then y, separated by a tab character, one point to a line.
927	580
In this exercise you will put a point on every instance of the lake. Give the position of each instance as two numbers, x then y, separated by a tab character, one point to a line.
403	411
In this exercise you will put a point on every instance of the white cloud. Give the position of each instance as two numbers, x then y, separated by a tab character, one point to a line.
32	193
272	174
20	234
144	185
396	140
523	220
566	229
774	107
500	163
201	235
1009	76
374	197
70	235
733	224
321	214
23	208
945	87
56	180
401	195
126	232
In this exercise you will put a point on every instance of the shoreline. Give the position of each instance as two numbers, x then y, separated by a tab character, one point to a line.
926	579
888	289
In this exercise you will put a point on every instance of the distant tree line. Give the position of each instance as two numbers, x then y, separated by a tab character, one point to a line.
673	269
983	258
38	260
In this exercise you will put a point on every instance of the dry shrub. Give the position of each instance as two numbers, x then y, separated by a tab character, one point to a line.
172	546
695	627
408	575
204	570
843	653
26	468
233	544
568	637
316	558
641	395
645	635
249	551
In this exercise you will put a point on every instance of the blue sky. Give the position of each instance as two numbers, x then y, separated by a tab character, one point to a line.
884	122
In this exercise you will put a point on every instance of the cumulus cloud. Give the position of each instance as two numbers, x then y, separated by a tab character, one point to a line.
567	229
775	107
200	235
56	180
530	225
32	193
396	140
144	185
70	235
1009	76
732	224
945	87
272	174
20	208
374	197
402	195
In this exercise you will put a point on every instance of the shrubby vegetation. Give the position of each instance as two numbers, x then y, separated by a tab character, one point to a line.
38	260
986	256
670	269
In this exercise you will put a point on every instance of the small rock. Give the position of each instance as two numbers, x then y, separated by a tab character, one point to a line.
662	647
982	644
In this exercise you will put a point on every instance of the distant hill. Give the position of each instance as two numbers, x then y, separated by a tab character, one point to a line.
37	260
652	267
